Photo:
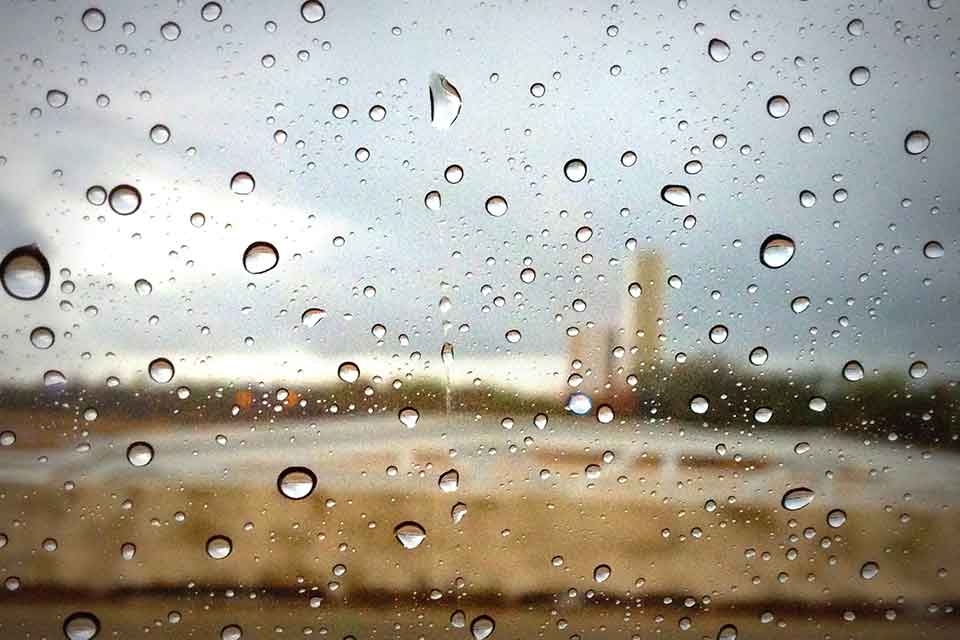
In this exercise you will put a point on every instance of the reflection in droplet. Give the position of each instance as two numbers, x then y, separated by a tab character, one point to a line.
260	257
869	570
916	142
42	337
348	372
676	194
219	547
718	50
853	371
719	334
409	417
575	170
918	369
449	481
81	625
482	627
776	251
124	199
496	206
296	483
409	534
797	499
242	183
25	273
445	102
161	370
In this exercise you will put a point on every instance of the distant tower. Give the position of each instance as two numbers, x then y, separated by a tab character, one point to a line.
640	314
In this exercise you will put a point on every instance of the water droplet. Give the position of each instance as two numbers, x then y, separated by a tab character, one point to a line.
869	570
81	625
159	134
93	19
143	287
718	50
140	454
128	551
25	273
53	378
800	304
445	102
918	369
605	414
124	199
727	632
628	159
763	415
816	403
699	404
348	372
537	90
219	547
296	483
575	170
457	513
758	356
675	194
312	11
231	632
56	98
719	334
601	573
96	195
449	481
453	174
933	250
409	534
377	113
807	199
409	417
797	499
312	316
496	206
513	336
242	183
579	404
446	354
855	27
853	371
42	338
778	106
432	201
836	518
584	233
776	251
260	257
170	31
211	11
482	627
916	142
859	76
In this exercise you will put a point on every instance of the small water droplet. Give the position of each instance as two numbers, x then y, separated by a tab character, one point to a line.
776	251
797	499
446	354
409	534
296	483
445	102
143	287
260	257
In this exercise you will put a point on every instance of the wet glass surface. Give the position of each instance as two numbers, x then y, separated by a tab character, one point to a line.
468	320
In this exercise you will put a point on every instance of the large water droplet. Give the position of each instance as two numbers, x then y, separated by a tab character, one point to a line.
601	573
776	251
727	632
579	404
797	499
161	370
699	404
409	417
124	199
296	483
242	183
211	11
93	19
432	201
918	369
676	194
859	76
42	338
836	518
348	372
81	625
800	304
933	250
853	371
409	534
445	102
869	570
575	170
453	174
219	547
758	356
143	287
159	134
457	513
446	354
482	627
260	257
778	106
916	142
496	206
719	334
312	11
140	454
231	632
449	481
57	98
718	50
311	317
170	31
25	273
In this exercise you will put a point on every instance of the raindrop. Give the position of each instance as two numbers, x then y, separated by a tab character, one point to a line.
445	102
449	481
197	219
432	201
575	170
312	316
579	404
482	627
718	50
409	417
219	547
776	251
719	334
807	199
933	250
128	551
143	287
758	356
859	76
377	113
763	415
537	90
513	336
446	354
409	534
601	573
93	19
675	194
800	304
727	632
160	134
605	414
457	513
25	273
348	372
124	199
818	404
916	142
260	257
242	183
296	483
496	206
836	518
140	454
56	98
869	570
161	370
42	338
312	11
96	195
211	11
805	134
53	378
453	174
231	632
853	371
699	404
855	27
81	625
918	369
797	499
628	159
778	106
170	31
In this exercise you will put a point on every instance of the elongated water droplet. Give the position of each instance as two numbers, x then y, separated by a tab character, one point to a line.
445	102
918	369
676	194
296	483
260	257
457	513
776	251
718	50
409	534
797	499
446	354
211	11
